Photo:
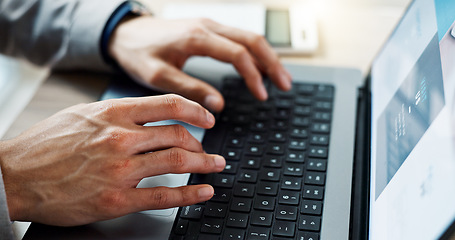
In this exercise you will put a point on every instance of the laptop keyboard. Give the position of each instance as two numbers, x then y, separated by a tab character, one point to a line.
276	159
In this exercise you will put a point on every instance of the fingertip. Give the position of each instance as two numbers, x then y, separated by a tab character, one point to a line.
214	103
220	162
205	192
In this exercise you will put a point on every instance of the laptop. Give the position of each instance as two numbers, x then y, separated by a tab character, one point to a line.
387	166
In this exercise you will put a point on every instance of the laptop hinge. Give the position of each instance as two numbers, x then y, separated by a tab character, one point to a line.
361	172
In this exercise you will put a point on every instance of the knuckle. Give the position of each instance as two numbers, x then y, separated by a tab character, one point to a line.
181	135
157	75
111	200
118	139
160	197
177	160
240	53
257	39
174	104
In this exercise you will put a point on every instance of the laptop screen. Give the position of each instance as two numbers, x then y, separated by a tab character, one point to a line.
413	126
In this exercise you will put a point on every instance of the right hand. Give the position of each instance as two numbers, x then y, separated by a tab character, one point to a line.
83	164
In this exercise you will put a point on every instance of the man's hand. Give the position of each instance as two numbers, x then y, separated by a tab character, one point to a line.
153	51
84	163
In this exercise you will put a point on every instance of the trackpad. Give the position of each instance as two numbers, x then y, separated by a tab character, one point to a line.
168	180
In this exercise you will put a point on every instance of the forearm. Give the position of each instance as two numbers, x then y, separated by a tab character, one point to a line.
64	33
6	231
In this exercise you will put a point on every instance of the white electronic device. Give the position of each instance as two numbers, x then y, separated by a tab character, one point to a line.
291	31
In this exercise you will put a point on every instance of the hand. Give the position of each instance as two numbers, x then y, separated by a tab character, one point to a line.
153	51
84	163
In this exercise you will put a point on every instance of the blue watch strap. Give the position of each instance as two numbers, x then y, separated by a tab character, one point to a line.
123	10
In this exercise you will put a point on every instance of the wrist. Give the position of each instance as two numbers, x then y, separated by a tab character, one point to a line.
123	13
15	201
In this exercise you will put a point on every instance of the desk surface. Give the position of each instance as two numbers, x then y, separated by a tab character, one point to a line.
350	36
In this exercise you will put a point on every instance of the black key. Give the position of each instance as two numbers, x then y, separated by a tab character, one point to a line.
254	150
192	212
264	203
262	115
302	110
258	233
272	161
282	114
317	165
247	176
278	137
302	235
221	195
315	178
181	227
295	157
223	180
241	204
267	188
299	133
289	213
322	117
319	140
200	178
216	210
230	168
283	103
207	236
239	130
280	125
291	183
212	225
244	190
241	119
300	100
289	197
261	218
301	121
283	229
309	223
235	142
251	163
276	149
293	169
234	234
259	126
311	207
305	89
324	92
318	152
232	154
324	106
257	138
272	175
297	145
237	220
320	127
313	192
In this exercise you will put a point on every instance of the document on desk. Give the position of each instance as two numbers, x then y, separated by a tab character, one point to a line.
246	16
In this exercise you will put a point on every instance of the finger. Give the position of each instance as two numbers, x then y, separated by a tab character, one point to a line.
175	80
163	197
260	48
226	50
164	107
164	137
177	160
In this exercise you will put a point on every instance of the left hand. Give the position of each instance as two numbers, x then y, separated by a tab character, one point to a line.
154	51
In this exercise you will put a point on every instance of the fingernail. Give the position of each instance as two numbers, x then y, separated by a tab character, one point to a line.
220	163
210	118
286	82
263	93
205	192
212	102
